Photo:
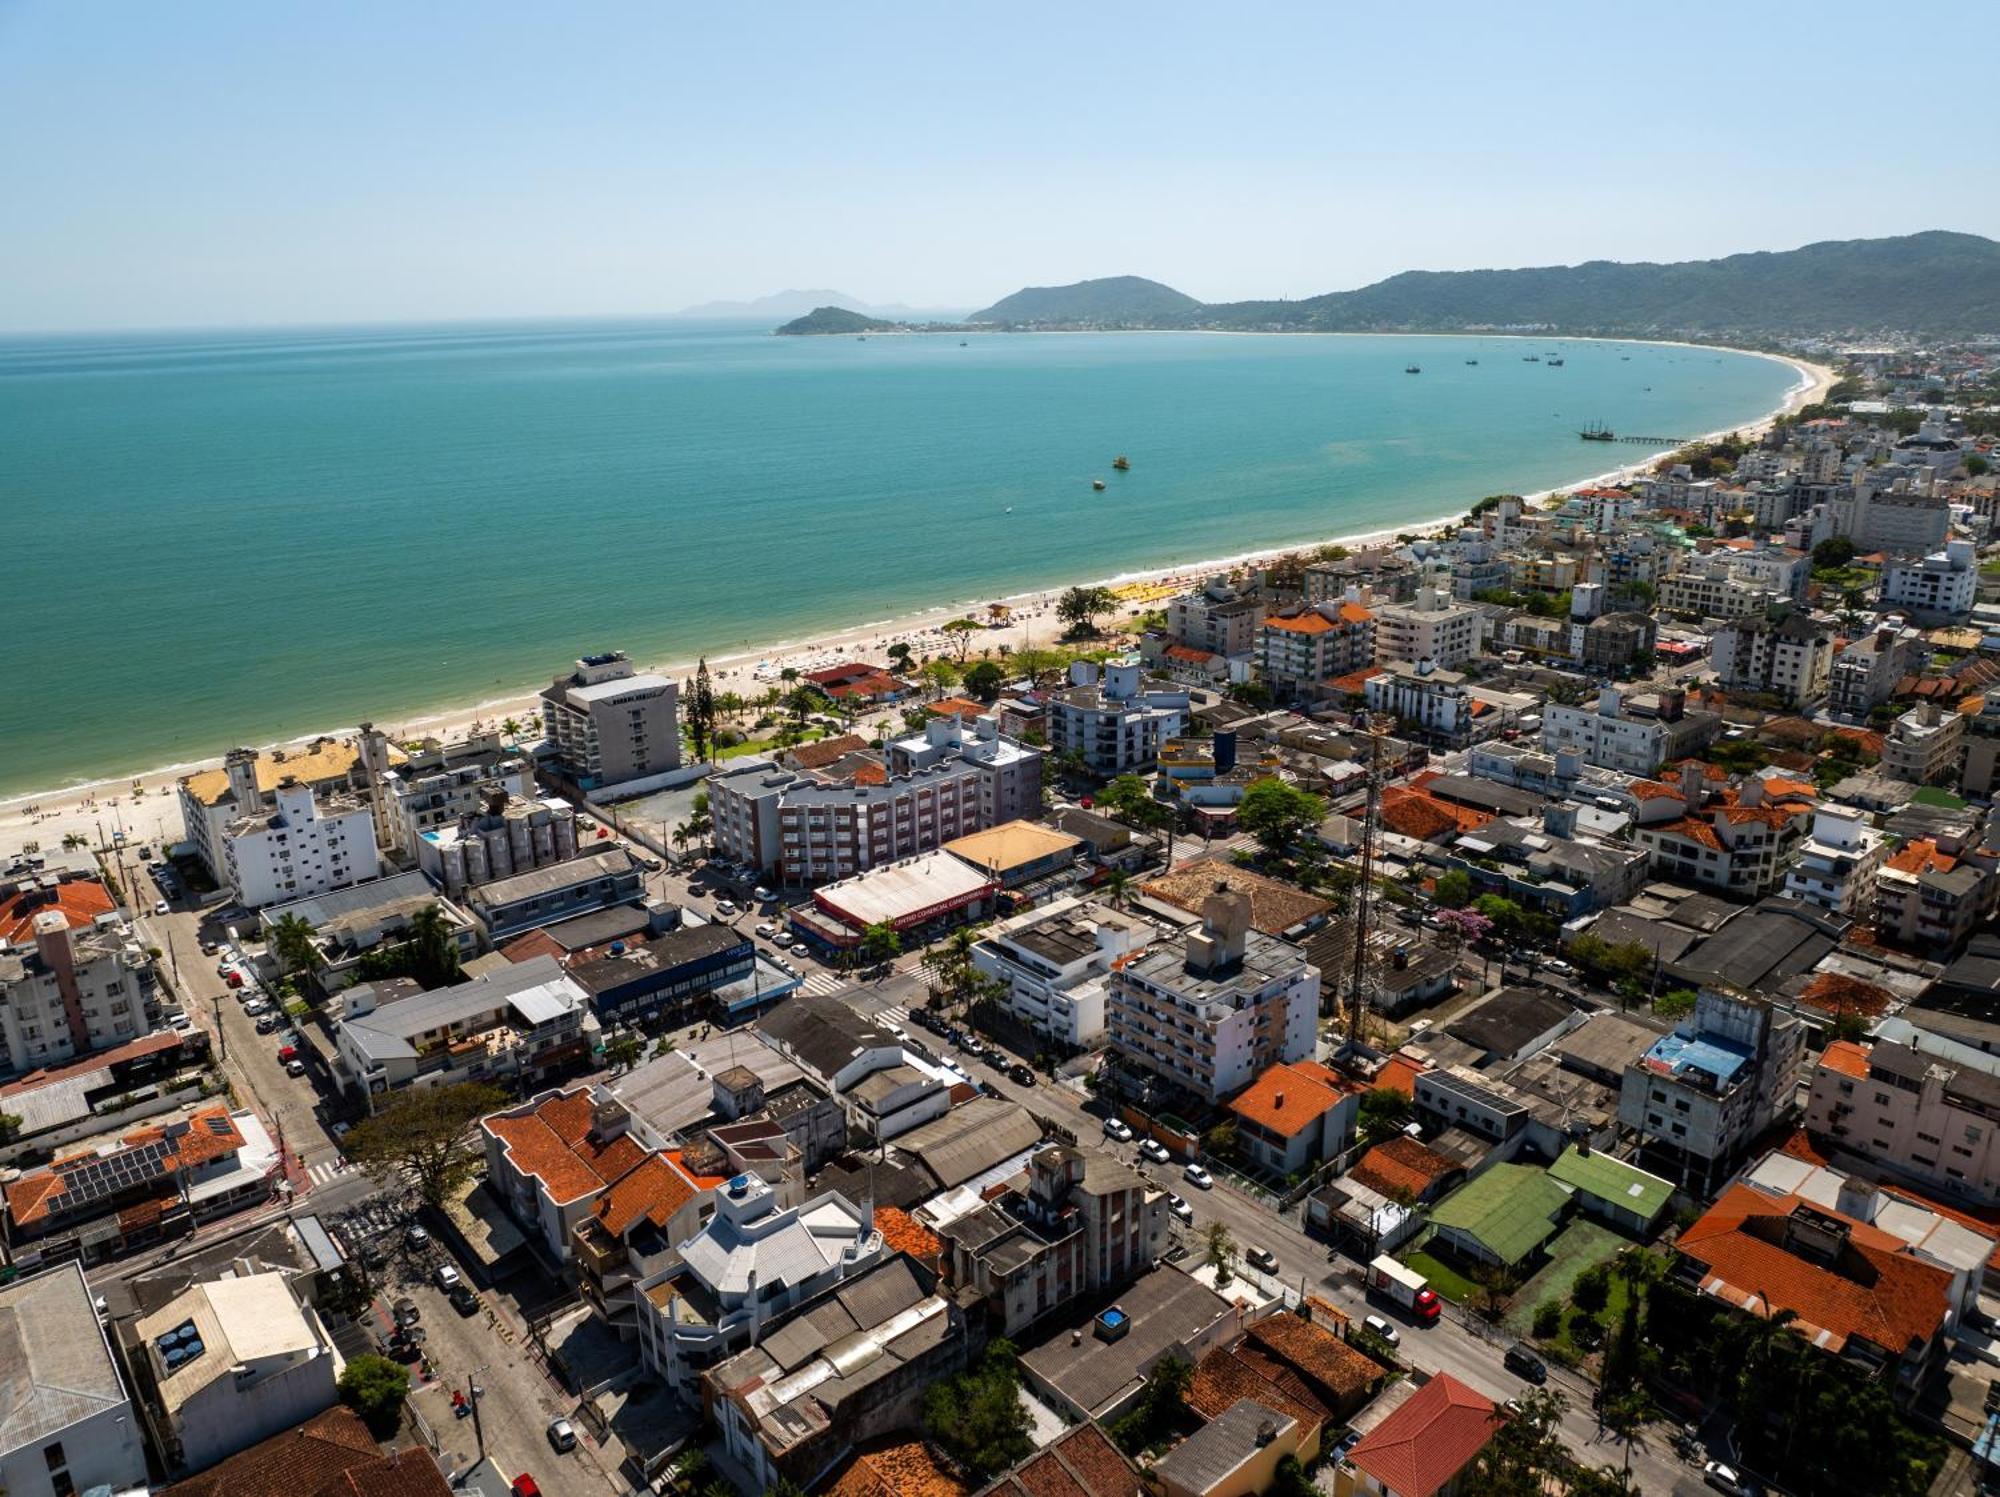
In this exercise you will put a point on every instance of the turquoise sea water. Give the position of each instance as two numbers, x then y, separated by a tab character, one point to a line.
235	537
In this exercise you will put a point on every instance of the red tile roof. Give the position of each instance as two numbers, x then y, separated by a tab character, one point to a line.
903	1233
826	750
1224	1378
904	1468
1920	855
1304	623
1354	682
553	1144
1846	1057
1875	1289
81	900
1400	1165
1420	1447
1837	993
301	1460
1287	1100
1409	812
1399	1074
651	1190
1318	1353
1083	1463
535	943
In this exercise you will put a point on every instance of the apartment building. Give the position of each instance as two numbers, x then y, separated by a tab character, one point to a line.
72	980
1924	746
439	783
1421	693
1116	720
310	842
610	725
1981	773
1086	1224
1055	964
1837	863
1936	588
1299	650
510	834
1864	675
1929	900
70	1425
248	783
1611	736
1920	1104
1791	659
1699	1096
556	891
1432	627
1217	618
1741	845
1209	1013
811	827
1899	520
1614	641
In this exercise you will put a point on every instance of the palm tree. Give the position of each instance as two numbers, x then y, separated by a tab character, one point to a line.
1118	885
292	944
511	727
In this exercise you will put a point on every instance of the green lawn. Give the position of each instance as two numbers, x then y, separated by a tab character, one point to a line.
1571	1252
1446	1280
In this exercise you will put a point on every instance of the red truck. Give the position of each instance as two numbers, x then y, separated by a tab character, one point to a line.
1405	1287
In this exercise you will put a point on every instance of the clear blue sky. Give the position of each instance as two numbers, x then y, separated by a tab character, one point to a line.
257	161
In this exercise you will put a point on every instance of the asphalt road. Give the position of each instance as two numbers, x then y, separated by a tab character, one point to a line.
1303	1262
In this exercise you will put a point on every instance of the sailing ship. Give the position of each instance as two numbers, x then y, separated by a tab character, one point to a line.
1121	462
1598	432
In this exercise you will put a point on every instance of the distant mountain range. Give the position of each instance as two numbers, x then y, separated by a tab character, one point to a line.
800	303
1929	284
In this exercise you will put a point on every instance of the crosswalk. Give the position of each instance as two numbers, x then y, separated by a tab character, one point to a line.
900	1017
327	1169
824	984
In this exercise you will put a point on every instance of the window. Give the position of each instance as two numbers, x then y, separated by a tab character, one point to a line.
58	1464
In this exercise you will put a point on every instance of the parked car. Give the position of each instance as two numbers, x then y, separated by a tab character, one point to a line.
1558	966
562	1435
1262	1259
266	1023
1522	1361
1118	1130
725	909
464	1300
1153	1149
415	1238
1727	1479
295	1067
1180	1208
233	977
287	1053
446	1277
257	1006
762	895
1194	1174
1021	1075
1383	1329
406	1311
1346	1443
160	907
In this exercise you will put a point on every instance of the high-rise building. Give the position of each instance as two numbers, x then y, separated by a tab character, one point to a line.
610	725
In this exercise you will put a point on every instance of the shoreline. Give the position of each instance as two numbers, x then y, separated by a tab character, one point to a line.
79	807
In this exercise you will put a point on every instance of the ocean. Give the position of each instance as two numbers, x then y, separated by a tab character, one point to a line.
236	537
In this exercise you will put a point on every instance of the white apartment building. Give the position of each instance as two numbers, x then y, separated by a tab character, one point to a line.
1703	1093
511	835
1939	587
72	988
1056	962
310	844
1924	746
748	1266
1432	627
1210	1013
1116	721
1917	1103
1712	589
248	783
232	1362
1899	520
1605	736
1792	659
1836	865
1434	700
610	725
1218	617
441	782
1299	650
809	827
1864	675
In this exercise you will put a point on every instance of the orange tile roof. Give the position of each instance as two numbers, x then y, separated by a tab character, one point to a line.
294	1462
1846	1057
1224	1379
824	752
1693	828
535	943
1409	812
1424	1444
651	1190
1401	1164
1886	1295
871	774
1399	1073
1303	623
1318	1353
957	707
1354	682
1286	1101
553	1144
1837	993
1654	790
1354	613
903	1233
1777	787
1083	1463
904	1468
81	900
1920	855
212	1135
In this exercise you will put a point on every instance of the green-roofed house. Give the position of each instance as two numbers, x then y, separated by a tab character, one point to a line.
1503	1215
1618	1194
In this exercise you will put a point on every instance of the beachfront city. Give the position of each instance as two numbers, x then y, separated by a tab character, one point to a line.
1425	923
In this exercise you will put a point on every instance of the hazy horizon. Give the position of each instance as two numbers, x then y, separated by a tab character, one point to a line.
238	165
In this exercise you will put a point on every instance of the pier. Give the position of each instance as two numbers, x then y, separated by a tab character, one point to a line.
1605	436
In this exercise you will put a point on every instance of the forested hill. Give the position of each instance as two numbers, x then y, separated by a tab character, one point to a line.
1115	301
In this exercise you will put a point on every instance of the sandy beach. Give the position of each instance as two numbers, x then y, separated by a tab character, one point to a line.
145	807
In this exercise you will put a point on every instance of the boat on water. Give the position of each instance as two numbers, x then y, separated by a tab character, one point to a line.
1471	361
1531	358
1555	363
1412	369
1598	433
1121	462
1098	484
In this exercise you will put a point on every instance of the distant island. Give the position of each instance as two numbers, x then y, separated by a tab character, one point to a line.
1922	285
777	304
827	320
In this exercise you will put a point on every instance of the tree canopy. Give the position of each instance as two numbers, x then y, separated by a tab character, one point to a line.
1278	814
375	1387
977	1418
1080	607
422	1134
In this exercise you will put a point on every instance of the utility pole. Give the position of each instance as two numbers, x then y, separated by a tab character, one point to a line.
472	1391
1364	892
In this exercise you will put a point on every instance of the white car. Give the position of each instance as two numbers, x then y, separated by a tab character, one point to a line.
1154	1150
1558	966
766	931
1117	1130
1383	1329
160	907
445	1276
257	1006
762	895
1724	1479
1180	1208
725	909
1194	1174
